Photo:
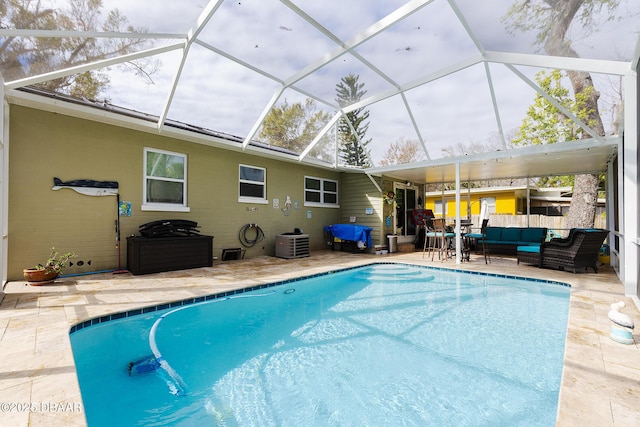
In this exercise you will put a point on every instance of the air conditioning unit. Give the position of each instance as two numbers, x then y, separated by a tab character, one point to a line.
292	245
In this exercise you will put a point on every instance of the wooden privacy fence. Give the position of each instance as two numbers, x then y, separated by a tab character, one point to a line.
556	223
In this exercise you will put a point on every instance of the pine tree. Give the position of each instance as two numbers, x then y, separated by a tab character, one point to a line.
353	149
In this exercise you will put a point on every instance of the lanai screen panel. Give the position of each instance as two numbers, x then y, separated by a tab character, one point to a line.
223	65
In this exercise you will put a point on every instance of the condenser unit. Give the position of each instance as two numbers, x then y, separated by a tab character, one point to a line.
292	245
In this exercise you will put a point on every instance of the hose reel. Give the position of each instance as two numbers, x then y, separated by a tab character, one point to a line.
245	235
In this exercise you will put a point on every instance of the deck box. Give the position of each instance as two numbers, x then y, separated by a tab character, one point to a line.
156	254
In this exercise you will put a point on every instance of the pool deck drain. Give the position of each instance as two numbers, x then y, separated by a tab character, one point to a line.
39	387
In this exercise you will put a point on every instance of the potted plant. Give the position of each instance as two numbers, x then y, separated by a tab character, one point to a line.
49	271
390	198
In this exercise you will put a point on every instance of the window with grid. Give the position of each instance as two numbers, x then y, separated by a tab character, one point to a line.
165	181
252	184
320	192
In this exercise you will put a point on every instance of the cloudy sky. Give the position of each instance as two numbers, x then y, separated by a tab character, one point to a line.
220	89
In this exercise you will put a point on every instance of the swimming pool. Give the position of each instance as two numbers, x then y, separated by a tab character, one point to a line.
385	344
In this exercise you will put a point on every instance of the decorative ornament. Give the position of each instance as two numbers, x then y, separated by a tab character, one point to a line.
390	198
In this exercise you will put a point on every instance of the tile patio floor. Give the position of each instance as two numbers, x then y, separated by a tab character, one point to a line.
38	384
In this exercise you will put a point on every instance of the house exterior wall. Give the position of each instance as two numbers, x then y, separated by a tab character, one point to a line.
359	194
506	202
46	145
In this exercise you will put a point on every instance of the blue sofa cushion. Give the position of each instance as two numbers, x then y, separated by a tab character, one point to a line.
493	233
532	249
533	234
511	235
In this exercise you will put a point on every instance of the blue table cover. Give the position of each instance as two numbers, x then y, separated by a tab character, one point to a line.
351	232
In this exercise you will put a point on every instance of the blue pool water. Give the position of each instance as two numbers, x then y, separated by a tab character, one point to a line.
382	345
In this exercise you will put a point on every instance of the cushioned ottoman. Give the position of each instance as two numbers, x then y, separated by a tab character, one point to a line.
529	254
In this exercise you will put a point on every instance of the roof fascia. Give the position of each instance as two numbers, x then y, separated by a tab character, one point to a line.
559	147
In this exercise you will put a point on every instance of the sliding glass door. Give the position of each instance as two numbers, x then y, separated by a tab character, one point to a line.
405	206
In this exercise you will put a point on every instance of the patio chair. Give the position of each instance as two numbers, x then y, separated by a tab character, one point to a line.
577	251
438	239
480	237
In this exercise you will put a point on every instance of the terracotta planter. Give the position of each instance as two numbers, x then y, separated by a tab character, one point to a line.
39	276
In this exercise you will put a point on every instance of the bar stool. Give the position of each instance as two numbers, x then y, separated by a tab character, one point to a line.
429	235
437	240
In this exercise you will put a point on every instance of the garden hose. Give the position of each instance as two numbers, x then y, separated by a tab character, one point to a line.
247	242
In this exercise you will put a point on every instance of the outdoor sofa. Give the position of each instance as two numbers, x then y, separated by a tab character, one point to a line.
508	239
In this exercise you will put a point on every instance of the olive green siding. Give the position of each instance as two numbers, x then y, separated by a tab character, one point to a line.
359	193
45	145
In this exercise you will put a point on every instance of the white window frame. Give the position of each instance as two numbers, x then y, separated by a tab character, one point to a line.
168	207
491	204
247	199
322	193
437	207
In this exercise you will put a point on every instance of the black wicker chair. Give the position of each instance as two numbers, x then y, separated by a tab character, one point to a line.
577	251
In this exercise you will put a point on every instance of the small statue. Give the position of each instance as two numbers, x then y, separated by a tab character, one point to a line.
623	326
